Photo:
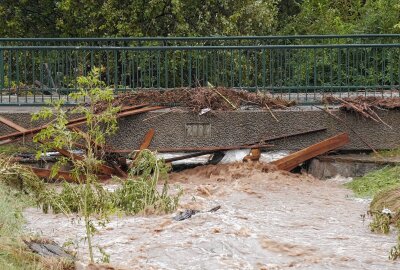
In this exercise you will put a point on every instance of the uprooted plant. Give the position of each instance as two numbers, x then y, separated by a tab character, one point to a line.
57	135
20	177
87	197
139	192
19	187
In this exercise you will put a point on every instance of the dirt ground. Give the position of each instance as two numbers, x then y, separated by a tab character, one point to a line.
267	220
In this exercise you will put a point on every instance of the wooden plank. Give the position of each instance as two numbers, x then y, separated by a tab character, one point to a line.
123	109
291	161
73	123
102	168
61	175
147	139
119	115
145	144
138	111
11	124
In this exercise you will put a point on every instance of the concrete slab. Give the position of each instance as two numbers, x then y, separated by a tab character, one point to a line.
243	127
350	165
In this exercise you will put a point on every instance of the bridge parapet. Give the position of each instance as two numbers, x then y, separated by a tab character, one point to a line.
302	68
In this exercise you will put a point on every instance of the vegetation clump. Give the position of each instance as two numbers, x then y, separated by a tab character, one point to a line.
20	177
376	181
384	186
14	254
139	193
87	197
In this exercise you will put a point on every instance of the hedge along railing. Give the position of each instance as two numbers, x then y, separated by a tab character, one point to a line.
206	41
31	74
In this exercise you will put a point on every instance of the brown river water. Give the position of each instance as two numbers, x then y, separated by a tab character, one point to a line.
267	220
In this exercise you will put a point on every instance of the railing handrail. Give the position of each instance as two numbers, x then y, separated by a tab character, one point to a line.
207	38
34	72
193	48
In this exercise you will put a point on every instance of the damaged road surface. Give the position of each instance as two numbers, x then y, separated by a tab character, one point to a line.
267	220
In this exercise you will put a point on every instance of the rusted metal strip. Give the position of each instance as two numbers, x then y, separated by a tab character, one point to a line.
215	149
196	149
305	132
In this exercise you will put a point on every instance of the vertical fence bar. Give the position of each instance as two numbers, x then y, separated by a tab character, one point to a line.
189	69
309	71
264	71
115	71
158	70
1	74
166	69
256	69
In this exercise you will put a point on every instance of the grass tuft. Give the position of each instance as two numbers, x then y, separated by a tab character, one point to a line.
374	182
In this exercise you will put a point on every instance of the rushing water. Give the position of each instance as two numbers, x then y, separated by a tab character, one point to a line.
266	221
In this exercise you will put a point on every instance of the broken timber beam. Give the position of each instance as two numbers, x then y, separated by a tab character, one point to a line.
123	109
291	161
61	175
11	124
145	144
73	123
103	168
147	139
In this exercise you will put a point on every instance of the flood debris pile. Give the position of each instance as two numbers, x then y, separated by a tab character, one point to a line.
118	163
364	102
112	165
366	106
196	99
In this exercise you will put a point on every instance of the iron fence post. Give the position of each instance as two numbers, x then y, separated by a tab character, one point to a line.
1	71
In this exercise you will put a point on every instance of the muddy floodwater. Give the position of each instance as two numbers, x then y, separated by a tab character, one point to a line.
267	220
